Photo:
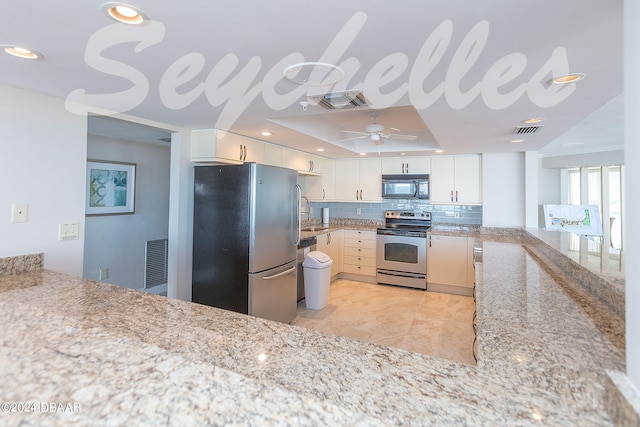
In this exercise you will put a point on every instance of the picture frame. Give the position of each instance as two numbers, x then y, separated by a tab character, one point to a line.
110	188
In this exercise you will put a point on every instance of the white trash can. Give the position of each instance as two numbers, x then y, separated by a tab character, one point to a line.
317	278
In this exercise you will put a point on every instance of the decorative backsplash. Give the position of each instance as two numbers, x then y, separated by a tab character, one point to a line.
440	214
21	263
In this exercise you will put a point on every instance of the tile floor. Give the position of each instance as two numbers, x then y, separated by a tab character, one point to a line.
436	324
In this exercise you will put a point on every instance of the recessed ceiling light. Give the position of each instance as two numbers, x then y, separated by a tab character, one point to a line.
532	121
569	78
439	151
21	52
319	149
266	133
517	140
363	154
124	13
314	73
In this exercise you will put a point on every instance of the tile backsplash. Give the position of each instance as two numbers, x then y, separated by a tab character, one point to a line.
440	214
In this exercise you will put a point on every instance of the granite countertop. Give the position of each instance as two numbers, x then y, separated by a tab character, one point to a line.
131	358
604	261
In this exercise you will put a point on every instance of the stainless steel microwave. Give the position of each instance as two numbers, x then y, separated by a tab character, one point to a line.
405	186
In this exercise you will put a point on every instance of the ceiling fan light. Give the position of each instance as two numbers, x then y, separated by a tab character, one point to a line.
375	136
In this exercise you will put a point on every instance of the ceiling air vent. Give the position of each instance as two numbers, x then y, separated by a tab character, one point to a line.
337	100
526	130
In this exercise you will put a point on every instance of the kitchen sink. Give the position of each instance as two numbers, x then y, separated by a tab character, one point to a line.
314	228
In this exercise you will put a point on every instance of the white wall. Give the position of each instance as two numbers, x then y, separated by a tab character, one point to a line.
180	217
549	190
503	186
632	170
117	242
42	163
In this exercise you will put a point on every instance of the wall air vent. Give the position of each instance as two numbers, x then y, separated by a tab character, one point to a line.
338	100
526	130
156	257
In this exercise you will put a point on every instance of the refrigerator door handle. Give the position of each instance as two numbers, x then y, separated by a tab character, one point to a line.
298	221
282	273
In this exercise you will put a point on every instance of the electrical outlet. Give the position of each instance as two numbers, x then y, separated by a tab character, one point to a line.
19	212
104	273
358	211
68	231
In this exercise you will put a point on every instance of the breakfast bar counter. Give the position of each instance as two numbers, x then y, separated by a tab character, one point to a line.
108	355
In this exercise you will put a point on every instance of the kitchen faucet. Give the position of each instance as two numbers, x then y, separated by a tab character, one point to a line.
308	207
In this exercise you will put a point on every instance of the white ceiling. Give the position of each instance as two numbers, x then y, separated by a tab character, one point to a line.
364	37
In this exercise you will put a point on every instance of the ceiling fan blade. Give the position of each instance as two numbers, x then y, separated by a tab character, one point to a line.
401	137
355	137
395	129
356	132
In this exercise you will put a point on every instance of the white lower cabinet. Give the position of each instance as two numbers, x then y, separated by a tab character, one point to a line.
331	244
449	261
359	252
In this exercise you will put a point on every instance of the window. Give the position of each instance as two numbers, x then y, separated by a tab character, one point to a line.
574	187
615	206
600	186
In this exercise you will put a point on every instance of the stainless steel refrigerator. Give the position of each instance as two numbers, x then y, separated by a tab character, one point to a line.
245	232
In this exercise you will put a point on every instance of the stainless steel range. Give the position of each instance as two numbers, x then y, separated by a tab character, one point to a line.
401	254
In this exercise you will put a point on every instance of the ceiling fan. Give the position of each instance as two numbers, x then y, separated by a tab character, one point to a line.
375	132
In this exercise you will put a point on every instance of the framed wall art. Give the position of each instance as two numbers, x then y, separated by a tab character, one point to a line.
110	188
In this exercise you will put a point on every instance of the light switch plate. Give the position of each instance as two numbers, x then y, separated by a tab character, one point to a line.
19	212
68	231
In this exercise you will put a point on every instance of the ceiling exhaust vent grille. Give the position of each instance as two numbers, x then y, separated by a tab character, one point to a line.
526	130
337	100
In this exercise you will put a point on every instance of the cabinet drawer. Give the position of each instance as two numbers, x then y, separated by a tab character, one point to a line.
360	252
360	235
360	243
358	260
359	269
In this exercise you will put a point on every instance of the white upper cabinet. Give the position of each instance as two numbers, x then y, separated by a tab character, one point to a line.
272	155
321	187
207	146
456	179
406	165
253	150
300	161
358	180
230	146
211	145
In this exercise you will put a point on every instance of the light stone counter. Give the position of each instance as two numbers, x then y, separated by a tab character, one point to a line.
599	259
129	358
